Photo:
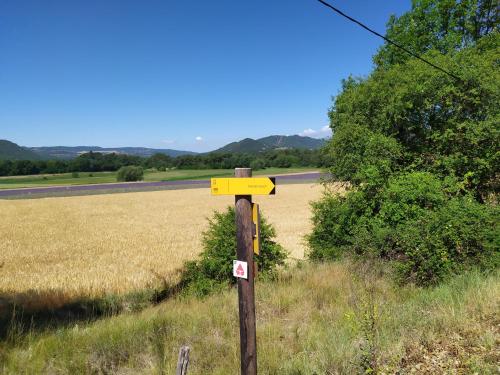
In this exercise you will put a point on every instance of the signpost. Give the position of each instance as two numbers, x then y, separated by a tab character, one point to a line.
243	186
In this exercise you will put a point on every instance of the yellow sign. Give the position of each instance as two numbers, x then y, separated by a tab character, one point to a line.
256	222
243	186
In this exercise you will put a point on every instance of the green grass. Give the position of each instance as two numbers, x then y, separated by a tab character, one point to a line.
110	177
315	319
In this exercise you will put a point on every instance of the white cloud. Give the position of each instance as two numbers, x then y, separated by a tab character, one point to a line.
308	133
325	131
198	139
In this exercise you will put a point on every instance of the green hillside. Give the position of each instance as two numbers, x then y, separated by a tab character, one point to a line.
247	145
12	151
273	142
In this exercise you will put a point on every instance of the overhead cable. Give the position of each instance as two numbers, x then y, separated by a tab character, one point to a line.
389	40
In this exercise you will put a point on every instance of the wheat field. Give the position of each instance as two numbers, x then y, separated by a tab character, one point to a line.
94	245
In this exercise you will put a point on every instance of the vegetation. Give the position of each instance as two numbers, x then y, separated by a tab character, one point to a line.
86	178
213	269
97	162
11	151
317	319
414	220
249	145
443	26
417	152
419	149
130	173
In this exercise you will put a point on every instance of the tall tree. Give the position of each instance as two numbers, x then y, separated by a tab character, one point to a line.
444	25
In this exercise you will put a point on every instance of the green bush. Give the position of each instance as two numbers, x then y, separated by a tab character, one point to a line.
417	221
213	270
130	173
419	150
258	164
459	235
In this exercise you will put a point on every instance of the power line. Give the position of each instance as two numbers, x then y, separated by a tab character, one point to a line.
388	40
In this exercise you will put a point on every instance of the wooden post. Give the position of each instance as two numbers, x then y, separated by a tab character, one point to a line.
183	361
246	293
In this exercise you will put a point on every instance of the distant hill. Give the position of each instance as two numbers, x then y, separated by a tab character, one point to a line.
247	145
273	142
292	141
11	151
64	152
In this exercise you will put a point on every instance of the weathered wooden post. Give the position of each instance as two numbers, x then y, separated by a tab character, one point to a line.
183	361
247	242
246	291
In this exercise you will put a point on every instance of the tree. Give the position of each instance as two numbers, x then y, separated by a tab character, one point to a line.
130	173
258	164
413	116
5	167
418	148
444	26
159	161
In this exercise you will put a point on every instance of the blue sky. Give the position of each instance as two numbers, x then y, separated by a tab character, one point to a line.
179	74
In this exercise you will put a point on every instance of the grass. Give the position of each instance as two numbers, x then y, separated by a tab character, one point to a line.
90	246
314	319
110	177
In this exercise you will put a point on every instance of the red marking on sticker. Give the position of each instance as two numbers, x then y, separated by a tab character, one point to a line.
240	271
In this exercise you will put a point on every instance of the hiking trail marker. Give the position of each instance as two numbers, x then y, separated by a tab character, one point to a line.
240	269
243	186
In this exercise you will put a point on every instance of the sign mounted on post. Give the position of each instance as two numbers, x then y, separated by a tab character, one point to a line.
247	221
240	269
243	186
256	226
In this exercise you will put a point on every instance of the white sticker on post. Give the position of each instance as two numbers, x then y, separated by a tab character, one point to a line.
240	269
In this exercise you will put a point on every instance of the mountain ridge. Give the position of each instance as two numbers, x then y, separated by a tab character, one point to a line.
12	151
70	152
272	142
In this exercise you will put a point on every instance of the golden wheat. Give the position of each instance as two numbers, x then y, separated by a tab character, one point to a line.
116	243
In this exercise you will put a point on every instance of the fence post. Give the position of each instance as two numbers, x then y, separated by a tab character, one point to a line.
183	361
246	292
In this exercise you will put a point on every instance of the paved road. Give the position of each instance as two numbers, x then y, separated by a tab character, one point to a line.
140	185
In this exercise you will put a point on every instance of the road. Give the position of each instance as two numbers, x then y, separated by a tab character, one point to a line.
137	186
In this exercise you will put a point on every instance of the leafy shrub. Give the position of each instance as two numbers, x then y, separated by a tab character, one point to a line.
419	150
416	220
460	234
284	161
361	155
130	173
258	164
75	175
214	269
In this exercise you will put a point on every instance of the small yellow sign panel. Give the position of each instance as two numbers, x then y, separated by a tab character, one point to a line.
256	222
243	186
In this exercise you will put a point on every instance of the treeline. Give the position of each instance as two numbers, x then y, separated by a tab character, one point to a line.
97	162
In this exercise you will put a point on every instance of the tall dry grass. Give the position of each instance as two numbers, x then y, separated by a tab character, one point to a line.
92	245
320	319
